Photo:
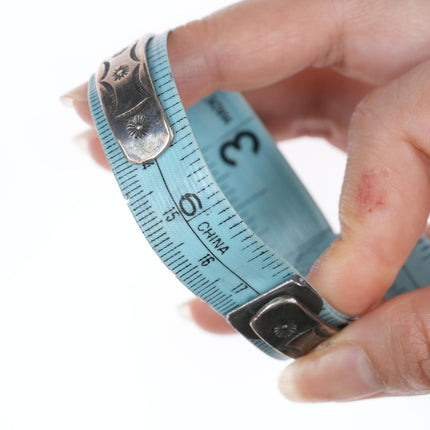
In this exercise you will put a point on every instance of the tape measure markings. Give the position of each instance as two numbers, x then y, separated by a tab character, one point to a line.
196	235
223	215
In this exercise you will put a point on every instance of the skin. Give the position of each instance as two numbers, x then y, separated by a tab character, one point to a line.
357	73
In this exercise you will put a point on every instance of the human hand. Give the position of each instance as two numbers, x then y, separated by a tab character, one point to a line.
355	72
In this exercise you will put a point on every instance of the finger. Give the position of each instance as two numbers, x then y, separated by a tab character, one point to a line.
385	200
257	43
205	317
238	48
315	102
384	353
427	231
312	103
78	99
89	142
95	148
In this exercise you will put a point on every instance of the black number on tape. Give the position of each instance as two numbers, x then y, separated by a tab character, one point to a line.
171	214
147	164
235	143
189	204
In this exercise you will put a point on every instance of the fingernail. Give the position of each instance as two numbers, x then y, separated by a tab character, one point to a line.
184	311
337	373
78	94
82	140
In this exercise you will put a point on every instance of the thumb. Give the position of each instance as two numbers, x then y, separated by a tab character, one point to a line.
385	199
386	352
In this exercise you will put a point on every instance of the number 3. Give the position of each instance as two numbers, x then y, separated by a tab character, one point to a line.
236	145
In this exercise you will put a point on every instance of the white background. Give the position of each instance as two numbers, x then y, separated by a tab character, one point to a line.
90	336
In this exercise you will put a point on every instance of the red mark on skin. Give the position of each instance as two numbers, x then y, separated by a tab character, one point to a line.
372	191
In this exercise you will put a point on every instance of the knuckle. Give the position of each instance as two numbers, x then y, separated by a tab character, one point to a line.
207	33
213	58
362	118
334	55
421	355
412	361
345	16
361	112
370	117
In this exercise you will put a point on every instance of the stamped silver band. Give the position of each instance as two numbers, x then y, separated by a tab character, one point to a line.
259	293
131	105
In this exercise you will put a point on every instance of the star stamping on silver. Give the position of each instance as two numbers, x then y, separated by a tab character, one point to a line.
131	105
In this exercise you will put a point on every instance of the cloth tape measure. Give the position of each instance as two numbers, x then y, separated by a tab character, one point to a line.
219	204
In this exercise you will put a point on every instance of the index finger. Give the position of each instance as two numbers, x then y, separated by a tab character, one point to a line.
253	44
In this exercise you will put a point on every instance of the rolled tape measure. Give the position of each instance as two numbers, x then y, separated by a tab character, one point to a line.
219	204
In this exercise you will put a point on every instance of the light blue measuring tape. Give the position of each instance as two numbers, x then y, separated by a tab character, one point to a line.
219	204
